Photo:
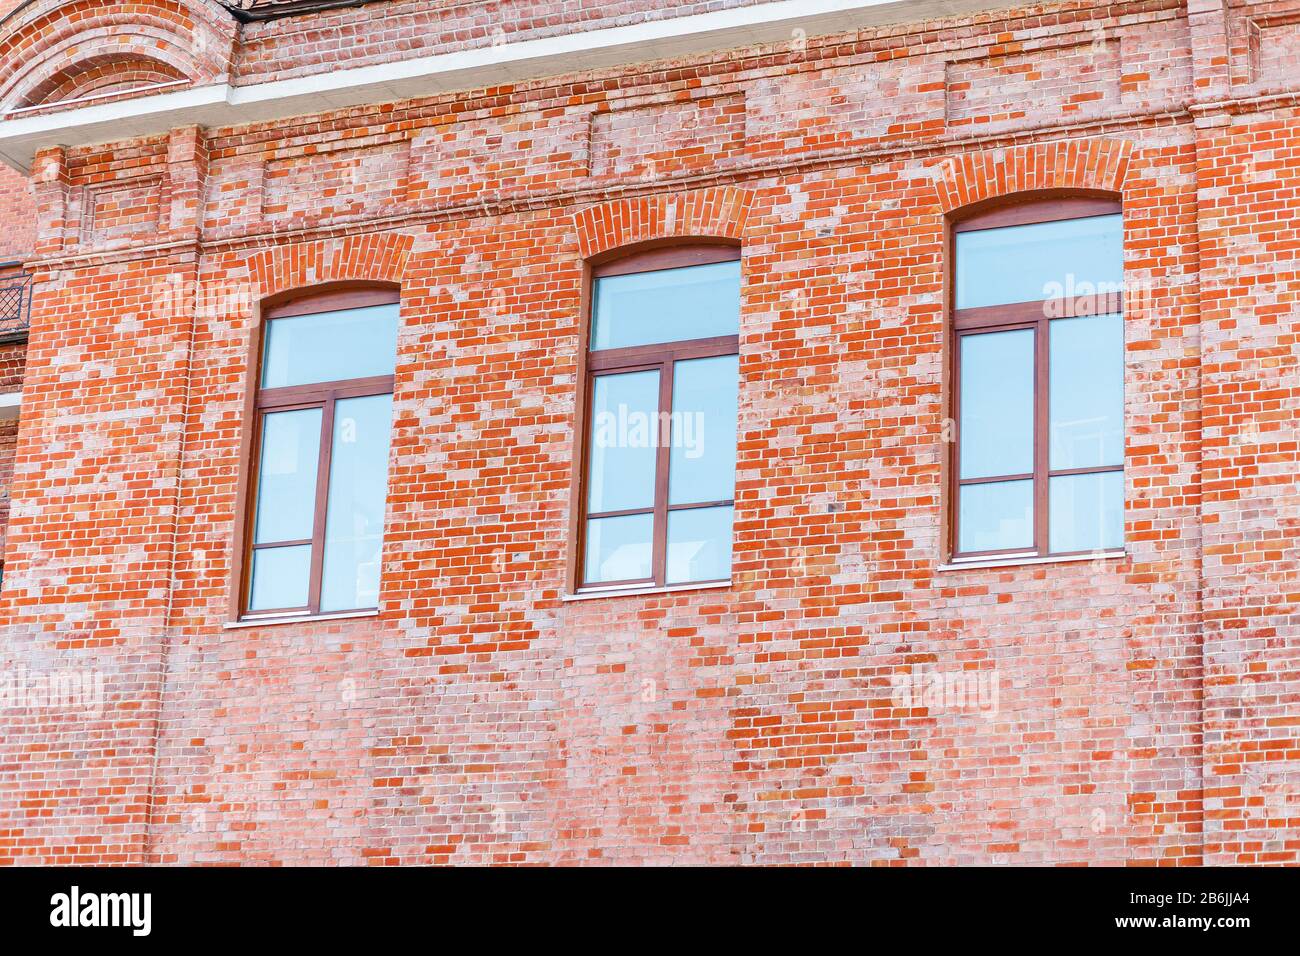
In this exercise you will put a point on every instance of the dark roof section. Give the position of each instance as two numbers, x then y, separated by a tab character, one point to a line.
250	10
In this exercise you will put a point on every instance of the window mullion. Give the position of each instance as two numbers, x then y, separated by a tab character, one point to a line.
663	434
250	517
584	477
1041	420
954	473
322	496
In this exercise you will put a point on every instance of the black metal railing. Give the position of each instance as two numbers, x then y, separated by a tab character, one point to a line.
15	305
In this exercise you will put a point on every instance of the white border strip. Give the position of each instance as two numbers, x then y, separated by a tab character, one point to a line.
638	590
1027	562
225	105
301	618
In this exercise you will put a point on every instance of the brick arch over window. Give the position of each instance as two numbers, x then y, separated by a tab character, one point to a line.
378	258
1080	166
47	46
716	213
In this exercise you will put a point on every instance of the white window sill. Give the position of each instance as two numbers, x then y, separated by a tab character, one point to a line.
1023	562
637	592
298	618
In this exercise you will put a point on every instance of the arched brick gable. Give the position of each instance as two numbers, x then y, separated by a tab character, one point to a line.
48	45
102	75
1095	164
718	212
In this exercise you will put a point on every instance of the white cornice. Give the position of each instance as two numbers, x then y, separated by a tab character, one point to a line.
225	105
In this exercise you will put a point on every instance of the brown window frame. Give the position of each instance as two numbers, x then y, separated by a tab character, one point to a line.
323	395
1036	315
662	357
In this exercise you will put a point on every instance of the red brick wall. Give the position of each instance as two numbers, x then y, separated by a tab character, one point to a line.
1251	509
380	32
1145	705
12	359
17	234
17	216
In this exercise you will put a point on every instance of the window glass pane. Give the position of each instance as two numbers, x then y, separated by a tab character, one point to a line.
997	404
354	519
702	459
699	545
1043	260
996	515
618	549
286	478
330	346
670	305
280	578
1087	391
624	441
1086	512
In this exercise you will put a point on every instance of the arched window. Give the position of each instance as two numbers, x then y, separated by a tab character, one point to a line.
659	450
1038	363
323	415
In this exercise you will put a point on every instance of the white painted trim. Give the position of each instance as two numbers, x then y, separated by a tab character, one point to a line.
11	404
21	139
1024	562
93	97
635	591
224	105
298	619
